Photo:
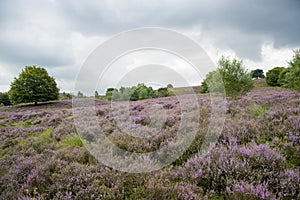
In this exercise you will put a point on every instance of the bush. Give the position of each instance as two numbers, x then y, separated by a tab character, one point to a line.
237	81
33	85
162	92
109	93
292	78
282	80
228	163
245	190
273	76
4	99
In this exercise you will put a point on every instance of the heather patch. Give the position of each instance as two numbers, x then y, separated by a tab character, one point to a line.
256	157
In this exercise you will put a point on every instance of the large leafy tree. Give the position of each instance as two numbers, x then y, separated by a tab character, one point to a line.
33	85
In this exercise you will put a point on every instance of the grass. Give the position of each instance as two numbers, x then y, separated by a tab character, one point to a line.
258	110
73	141
260	83
46	135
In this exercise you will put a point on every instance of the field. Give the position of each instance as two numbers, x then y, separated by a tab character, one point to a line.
257	155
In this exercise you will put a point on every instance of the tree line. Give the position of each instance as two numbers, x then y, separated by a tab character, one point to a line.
238	81
34	84
139	92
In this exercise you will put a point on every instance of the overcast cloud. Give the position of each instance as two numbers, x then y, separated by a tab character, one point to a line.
60	34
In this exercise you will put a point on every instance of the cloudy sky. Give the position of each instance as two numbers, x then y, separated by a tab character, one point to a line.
60	34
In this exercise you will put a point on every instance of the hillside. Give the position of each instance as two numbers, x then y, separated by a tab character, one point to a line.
257	154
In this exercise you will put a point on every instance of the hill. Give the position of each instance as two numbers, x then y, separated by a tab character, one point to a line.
257	154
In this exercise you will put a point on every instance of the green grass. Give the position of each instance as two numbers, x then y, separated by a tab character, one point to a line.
22	124
260	83
258	110
45	136
73	141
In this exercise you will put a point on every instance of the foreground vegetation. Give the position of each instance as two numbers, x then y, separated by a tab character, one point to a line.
257	155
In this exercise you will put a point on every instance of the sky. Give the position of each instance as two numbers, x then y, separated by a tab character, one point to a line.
61	34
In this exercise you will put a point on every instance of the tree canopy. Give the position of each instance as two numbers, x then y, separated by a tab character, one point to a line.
272	78
257	73
33	85
4	99
237	81
292	77
134	93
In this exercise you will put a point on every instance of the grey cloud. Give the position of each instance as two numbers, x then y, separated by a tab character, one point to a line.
32	34
252	21
37	32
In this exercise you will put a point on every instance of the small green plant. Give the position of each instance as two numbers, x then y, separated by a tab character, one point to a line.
258	110
72	141
46	135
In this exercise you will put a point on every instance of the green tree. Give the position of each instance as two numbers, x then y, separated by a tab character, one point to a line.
292	78
209	81
115	95
162	92
170	86
257	73
33	85
4	99
109	92
282	79
126	94
237	81
151	93
65	95
122	89
143	93
134	96
272	78
204	87
97	94
79	94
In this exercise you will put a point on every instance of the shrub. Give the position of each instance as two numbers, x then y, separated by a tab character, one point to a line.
292	78
273	76
4	99
72	142
170	86
282	80
109	92
162	92
237	81
227	163
245	190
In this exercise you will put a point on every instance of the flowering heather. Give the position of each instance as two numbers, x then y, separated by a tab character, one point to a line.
257	155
